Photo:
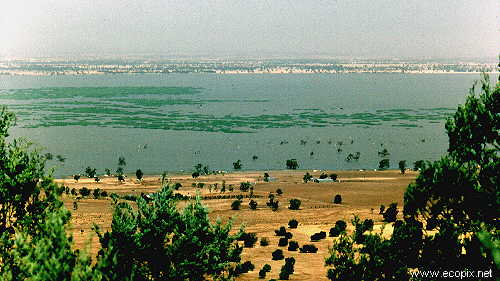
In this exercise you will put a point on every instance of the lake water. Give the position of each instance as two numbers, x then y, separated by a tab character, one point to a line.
170	122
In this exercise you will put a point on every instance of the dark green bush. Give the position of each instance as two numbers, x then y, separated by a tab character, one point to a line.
281	231
293	223
278	255
249	239
318	236
307	177
252	205
293	246
337	199
245	186
236	205
84	191
294	204
283	242
96	193
308	248
391	213
368	224
264	241
262	274
340	226
292	164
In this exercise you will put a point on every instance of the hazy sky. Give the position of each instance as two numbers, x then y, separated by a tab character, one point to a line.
369	28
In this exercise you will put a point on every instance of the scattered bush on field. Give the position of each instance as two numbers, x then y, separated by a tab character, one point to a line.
337	199
307	177
264	242
249	239
252	204
293	223
340	226
278	255
283	242
318	236
293	246
391	213
294	204
281	231
84	191
245	186
308	248
236	205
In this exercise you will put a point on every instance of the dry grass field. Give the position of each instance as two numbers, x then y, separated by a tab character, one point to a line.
362	194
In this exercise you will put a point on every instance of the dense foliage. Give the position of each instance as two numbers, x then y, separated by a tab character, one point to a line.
159	242
450	212
155	241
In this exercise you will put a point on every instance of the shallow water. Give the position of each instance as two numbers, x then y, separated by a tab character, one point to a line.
173	121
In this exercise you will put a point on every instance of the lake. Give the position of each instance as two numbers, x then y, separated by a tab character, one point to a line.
170	122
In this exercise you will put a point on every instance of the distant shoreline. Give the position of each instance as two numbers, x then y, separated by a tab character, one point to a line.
40	74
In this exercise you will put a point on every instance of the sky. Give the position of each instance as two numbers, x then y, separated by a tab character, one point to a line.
218	28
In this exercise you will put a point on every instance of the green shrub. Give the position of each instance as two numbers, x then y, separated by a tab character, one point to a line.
340	227
264	242
84	191
139	174
293	223
262	274
308	248
253	205
266	267
278	255
249	239
284	275
337	199
391	213
292	164
237	165
293	246
245	186
236	205
96	193
283	242
368	224
294	204
281	231
307	177
160	242
384	164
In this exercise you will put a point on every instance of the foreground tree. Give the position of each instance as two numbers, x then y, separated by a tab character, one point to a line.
33	240
160	242
457	197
